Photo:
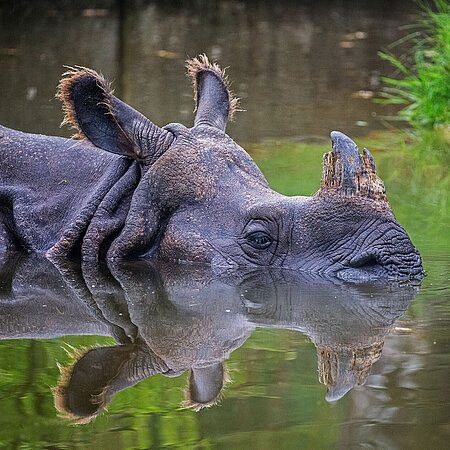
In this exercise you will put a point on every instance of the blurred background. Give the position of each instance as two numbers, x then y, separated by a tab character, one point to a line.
301	68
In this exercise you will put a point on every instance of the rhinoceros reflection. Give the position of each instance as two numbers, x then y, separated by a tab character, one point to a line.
170	320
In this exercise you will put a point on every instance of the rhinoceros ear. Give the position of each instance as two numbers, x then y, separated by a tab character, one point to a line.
92	110
214	102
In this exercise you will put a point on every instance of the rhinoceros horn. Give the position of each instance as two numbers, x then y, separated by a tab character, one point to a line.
97	115
347	172
214	101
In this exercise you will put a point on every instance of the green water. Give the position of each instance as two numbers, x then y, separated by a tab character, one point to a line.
296	83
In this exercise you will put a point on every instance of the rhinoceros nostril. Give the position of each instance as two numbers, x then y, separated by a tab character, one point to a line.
364	259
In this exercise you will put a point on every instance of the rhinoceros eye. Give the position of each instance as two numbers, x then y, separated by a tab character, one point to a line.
259	240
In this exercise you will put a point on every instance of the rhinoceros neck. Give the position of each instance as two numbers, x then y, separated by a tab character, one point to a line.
102	216
51	187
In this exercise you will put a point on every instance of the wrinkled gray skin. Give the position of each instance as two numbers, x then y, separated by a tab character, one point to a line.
180	194
170	318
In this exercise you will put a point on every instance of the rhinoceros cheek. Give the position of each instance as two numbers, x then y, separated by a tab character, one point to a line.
184	248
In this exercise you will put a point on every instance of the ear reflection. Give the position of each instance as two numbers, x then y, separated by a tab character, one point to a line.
92	378
205	386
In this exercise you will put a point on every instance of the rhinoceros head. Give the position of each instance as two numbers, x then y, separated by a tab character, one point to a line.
201	198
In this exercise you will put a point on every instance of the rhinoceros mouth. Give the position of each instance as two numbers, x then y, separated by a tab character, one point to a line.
374	265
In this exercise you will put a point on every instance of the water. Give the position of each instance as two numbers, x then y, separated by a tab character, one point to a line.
383	350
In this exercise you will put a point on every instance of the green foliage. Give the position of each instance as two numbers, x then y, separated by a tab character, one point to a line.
424	74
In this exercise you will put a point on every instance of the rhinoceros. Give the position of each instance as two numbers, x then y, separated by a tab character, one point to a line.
130	189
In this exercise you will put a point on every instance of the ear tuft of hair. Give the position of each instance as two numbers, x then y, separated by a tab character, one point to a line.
201	63
72	77
60	390
191	403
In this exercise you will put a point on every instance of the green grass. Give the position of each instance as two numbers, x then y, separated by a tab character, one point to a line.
422	77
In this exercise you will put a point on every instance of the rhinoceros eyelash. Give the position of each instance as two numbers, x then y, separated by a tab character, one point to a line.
259	240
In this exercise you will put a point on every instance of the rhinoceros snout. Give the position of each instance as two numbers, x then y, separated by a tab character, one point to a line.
386	261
